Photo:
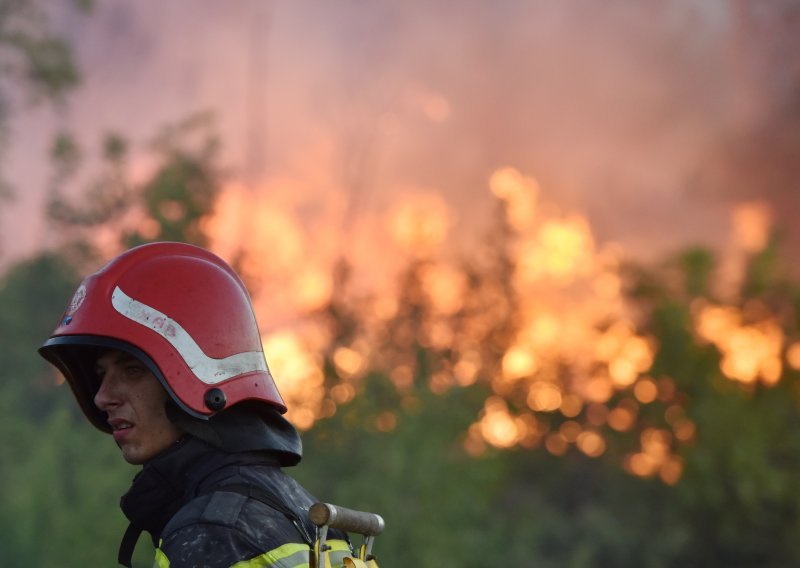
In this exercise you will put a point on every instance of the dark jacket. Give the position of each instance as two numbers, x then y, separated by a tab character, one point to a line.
194	501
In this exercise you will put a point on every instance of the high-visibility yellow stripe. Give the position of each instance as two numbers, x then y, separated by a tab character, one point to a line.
337	552
290	555
161	560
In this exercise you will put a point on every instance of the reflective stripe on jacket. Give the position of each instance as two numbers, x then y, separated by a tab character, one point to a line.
230	530
289	555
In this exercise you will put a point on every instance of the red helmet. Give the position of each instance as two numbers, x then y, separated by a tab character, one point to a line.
184	313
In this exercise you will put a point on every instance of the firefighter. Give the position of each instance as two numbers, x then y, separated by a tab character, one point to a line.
162	351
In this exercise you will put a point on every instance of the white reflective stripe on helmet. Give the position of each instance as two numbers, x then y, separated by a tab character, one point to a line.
209	370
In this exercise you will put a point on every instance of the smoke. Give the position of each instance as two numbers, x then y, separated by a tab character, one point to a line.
627	113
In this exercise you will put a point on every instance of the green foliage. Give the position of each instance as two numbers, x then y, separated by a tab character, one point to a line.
56	480
35	63
736	503
168	206
697	265
576	511
31	53
741	477
48	65
31	299
432	495
765	272
182	191
61	480
106	198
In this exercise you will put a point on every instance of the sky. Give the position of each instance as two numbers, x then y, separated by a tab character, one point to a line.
336	112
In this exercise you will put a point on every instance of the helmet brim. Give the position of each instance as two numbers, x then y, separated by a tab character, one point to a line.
76	356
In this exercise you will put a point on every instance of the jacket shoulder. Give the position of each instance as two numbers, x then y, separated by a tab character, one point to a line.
223	528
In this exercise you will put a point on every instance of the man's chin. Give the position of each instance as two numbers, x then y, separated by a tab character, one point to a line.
131	456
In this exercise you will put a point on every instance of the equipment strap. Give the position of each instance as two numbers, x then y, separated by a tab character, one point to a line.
272	501
128	544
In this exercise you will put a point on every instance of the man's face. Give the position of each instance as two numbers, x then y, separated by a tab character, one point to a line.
134	401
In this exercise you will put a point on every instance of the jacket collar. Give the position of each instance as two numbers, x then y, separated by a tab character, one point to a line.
159	489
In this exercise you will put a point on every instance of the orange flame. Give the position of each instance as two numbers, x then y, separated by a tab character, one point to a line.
420	222
749	352
752	223
572	344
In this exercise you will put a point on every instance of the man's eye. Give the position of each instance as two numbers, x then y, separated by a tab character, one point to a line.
134	369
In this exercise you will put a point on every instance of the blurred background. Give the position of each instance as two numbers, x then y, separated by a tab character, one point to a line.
525	271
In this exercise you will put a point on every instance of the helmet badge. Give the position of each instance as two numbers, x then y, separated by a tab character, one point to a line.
75	303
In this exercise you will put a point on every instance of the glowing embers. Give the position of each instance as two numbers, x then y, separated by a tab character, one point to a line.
349	362
519	362
626	354
445	287
569	344
500	428
793	355
544	396
537	316
591	443
519	194
561	249
750	351
655	457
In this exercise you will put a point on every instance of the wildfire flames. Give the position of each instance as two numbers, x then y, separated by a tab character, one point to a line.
571	342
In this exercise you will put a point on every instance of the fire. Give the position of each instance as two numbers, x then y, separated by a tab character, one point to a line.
793	355
420	222
752	223
519	193
655	457
646	391
298	374
518	362
348	362
569	352
244	219
498	426
562	249
751	226
591	443
623	417
544	396
750	352
445	287
264	239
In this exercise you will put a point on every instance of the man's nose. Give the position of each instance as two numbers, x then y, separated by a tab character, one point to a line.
108	394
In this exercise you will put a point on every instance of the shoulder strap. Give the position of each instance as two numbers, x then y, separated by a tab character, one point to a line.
128	544
274	502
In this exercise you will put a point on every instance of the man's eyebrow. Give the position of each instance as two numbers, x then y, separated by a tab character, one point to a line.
120	359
